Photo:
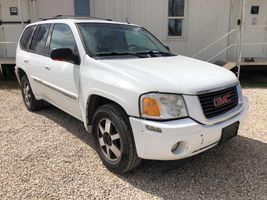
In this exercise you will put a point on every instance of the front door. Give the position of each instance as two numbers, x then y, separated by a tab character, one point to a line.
254	31
62	79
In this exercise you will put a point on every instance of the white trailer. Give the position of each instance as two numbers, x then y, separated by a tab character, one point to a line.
210	30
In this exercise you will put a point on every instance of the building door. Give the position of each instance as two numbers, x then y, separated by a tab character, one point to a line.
255	32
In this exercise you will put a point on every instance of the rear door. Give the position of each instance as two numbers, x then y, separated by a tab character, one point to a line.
61	79
36	58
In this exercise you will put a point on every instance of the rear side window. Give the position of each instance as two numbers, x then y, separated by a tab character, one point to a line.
62	37
38	43
26	36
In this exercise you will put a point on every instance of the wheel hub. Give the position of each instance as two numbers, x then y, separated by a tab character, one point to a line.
107	139
26	92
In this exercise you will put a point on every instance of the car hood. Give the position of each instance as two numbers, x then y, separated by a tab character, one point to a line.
175	74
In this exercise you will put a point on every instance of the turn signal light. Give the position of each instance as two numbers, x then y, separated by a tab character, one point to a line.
151	107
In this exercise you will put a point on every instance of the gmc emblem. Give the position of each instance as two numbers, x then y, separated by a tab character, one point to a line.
219	101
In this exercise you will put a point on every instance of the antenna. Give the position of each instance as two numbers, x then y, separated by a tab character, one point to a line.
127	21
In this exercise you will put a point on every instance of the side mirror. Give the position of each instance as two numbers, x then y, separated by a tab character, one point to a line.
168	48
65	54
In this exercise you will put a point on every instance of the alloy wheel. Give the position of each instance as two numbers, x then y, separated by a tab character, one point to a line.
26	93
109	140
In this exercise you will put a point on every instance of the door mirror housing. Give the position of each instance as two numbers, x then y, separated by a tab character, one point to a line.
65	54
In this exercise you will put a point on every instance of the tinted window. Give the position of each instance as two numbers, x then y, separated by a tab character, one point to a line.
62	37
24	41
39	38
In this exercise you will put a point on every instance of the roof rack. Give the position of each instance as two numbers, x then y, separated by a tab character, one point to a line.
75	17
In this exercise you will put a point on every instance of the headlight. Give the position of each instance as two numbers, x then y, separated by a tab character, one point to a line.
162	106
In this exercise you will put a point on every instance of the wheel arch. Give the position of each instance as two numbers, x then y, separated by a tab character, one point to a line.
20	73
94	101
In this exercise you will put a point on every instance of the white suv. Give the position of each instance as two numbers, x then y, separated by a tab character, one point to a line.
138	99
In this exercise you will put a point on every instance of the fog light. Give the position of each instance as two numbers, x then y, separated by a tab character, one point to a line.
154	129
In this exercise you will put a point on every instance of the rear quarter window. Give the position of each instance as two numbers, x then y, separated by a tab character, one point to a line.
26	36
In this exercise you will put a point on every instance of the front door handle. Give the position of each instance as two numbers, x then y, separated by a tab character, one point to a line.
47	68
26	60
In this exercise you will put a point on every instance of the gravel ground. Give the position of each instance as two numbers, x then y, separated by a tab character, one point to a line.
49	155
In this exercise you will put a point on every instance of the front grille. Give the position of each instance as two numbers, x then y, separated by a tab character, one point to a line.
219	102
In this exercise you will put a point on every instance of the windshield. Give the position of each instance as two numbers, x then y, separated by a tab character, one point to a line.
102	39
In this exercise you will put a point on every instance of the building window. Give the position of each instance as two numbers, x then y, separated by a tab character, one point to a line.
176	18
82	7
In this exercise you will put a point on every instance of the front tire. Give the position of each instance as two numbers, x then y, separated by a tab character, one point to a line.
29	99
114	139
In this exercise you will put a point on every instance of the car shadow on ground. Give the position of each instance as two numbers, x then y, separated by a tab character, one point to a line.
9	84
237	169
253	76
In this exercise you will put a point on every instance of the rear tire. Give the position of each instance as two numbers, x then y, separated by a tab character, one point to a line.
114	139
29	99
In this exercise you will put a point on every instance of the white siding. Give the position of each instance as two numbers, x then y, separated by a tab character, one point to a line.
51	8
11	32
206	20
235	15
5	13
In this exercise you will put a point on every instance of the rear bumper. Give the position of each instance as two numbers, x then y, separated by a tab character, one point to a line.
192	137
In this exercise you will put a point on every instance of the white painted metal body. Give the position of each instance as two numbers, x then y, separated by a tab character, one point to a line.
69	87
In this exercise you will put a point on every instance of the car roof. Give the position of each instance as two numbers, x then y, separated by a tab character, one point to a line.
73	19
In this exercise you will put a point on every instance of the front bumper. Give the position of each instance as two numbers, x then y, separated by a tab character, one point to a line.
192	137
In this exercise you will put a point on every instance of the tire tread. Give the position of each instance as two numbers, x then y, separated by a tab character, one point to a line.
35	104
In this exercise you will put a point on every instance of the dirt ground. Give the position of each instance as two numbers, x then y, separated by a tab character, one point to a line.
49	155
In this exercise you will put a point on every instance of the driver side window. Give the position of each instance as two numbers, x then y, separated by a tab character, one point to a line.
62	37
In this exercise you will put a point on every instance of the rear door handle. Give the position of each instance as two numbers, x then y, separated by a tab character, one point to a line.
47	68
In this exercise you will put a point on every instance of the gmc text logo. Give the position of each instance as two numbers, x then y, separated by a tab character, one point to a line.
219	101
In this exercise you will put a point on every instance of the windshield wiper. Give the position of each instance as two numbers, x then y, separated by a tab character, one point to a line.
118	53
137	54
157	52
